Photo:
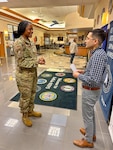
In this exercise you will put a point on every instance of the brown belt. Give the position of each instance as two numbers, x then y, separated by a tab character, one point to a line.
90	88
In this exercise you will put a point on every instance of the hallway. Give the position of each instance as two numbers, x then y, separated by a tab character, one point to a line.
58	127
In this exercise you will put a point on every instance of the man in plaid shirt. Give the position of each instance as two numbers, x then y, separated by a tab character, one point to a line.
92	80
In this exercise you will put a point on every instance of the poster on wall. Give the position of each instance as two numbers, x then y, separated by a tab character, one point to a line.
107	89
110	6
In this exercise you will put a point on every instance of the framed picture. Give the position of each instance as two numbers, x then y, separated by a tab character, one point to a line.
10	28
103	11
98	17
110	7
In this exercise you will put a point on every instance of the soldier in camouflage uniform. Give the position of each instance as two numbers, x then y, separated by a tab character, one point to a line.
26	71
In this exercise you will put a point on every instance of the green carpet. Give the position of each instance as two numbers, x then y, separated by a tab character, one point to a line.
57	89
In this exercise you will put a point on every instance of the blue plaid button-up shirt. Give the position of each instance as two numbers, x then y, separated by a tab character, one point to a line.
94	74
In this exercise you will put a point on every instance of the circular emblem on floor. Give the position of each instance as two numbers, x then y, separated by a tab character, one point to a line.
69	80
67	88
38	88
46	75
60	74
48	96
41	81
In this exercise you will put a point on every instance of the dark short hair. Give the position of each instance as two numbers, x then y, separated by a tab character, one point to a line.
22	26
74	40
100	34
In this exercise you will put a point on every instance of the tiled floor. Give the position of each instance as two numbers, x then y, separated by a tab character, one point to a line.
58	127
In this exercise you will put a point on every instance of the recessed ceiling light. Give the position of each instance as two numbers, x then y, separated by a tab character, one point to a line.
1	1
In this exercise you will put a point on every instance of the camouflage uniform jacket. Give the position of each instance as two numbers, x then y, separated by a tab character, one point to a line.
25	53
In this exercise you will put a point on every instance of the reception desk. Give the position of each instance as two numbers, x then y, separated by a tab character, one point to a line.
82	51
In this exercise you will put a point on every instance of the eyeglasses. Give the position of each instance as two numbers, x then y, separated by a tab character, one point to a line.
87	38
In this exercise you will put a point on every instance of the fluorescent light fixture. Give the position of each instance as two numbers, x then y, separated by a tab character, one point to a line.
1	1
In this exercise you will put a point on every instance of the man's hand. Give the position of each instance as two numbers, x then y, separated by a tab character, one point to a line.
80	71
76	74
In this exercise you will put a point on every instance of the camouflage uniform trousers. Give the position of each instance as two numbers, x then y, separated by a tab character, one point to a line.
27	83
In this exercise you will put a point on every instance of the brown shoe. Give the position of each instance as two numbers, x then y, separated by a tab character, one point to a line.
34	114
83	131
83	143
26	120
